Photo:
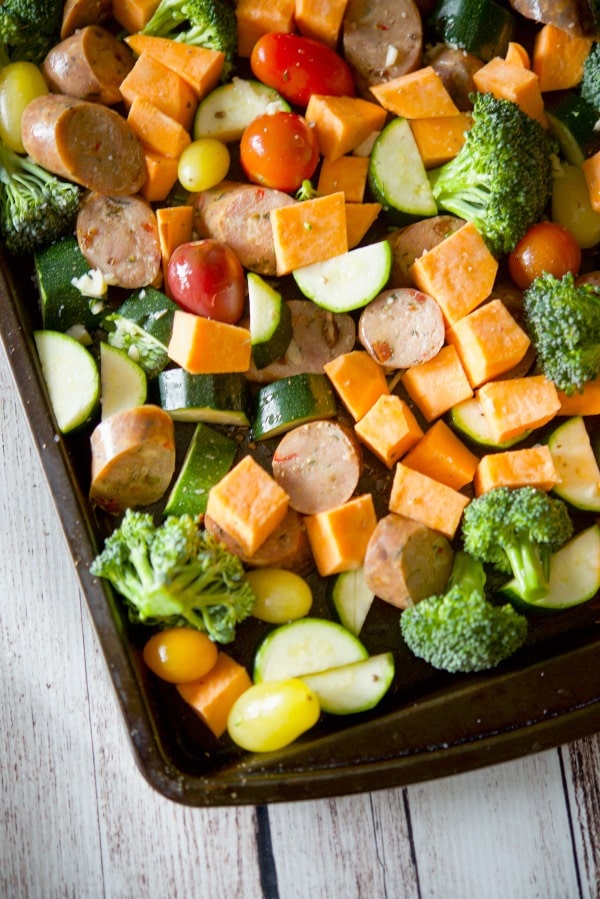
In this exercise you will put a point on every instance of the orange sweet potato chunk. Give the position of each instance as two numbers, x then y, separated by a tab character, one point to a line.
442	455
415	95
437	385
206	346
389	428
439	138
342	123
358	380
516	405
339	537
512	81
213	695
424	499
308	232
532	467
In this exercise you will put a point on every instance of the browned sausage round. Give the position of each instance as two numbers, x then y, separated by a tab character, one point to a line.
382	39
238	214
317	337
84	142
402	327
133	458
119	236
456	68
318	464
577	16
286	547
89	64
412	241
406	561
79	13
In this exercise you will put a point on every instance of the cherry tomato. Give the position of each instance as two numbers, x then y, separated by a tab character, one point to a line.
20	83
271	715
299	66
279	150
205	277
203	164
281	595
546	247
180	654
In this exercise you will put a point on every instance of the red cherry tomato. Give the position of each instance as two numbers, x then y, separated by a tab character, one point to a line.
299	66
205	277
546	247
279	150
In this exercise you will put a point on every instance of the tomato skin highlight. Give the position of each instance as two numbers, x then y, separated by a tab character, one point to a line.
298	66
546	247
279	150
206	277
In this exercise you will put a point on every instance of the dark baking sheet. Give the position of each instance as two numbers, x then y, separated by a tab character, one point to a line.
429	725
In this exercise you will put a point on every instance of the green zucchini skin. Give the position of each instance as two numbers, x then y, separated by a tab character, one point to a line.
152	311
481	27
208	458
290	402
62	305
218	399
572	121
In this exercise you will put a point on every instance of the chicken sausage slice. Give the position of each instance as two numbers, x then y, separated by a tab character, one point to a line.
406	561
402	327
286	547
90	64
119	236
412	241
318	464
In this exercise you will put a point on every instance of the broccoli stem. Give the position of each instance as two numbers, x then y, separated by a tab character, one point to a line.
467	573
530	566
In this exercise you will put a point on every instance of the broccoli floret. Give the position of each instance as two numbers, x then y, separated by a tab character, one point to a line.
460	630
143	348
563	321
516	530
501	179
176	574
203	23
590	82
29	28
36	207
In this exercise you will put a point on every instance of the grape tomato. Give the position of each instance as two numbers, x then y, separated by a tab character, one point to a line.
279	150
281	595
180	654
206	277
546	247
20	83
272	715
298	66
203	163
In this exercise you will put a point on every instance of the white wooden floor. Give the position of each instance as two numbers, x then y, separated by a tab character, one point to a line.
78	820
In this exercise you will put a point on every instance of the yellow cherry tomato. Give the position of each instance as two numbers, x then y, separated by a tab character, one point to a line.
203	164
272	715
281	595
20	83
180	654
572	207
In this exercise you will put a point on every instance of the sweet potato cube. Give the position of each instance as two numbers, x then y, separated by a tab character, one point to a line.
532	467
558	58
348	174
426	500
308	232
342	123
516	405
161	175
415	95
442	455
389	428
321	19
488	341
213	695
157	130
439	138
584	402
199	66
359	218
204	346
358	380
459	272
437	385
155	82
248	504
591	170
339	537
512	81
255	18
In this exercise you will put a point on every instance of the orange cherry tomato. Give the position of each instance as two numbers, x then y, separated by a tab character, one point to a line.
279	150
180	654
546	247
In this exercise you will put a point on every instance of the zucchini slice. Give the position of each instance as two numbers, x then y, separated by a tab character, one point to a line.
397	175
71	376
218	399
481	27
228	109
576	464
62	304
349	281
574	575
571	121
304	647
123	382
290	402
352	599
208	458
468	419
353	688
270	321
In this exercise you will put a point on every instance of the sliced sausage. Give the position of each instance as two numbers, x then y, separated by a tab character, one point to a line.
318	337
119	236
89	64
286	547
238	214
133	458
402	327
406	561
412	241
580	17
318	464
382	39
84	142
456	68
79	13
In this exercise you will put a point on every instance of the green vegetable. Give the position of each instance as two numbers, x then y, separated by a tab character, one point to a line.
516	530
176	574
202	23
563	322
501	179
397	176
29	28
590	83
461	630
36	207
481	27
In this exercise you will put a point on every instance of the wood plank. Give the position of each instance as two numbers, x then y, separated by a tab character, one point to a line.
582	771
